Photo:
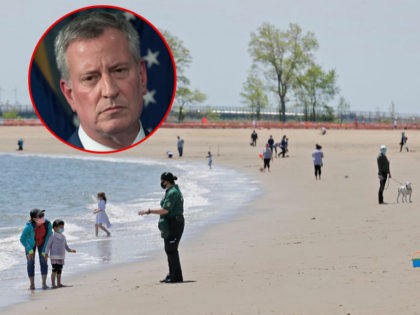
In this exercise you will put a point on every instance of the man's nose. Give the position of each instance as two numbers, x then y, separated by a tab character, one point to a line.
109	87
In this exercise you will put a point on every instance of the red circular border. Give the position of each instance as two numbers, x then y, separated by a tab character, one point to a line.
106	7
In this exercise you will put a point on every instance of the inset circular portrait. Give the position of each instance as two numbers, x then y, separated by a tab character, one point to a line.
102	79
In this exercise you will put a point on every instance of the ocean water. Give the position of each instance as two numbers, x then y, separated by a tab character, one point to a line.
66	188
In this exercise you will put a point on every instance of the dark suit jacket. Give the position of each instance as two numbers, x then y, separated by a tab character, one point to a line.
75	140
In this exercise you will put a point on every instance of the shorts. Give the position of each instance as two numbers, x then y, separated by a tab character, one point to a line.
58	268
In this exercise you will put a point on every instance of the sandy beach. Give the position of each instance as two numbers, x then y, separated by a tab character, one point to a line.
302	247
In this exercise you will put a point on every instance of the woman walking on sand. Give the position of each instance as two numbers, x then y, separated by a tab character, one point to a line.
317	156
101	216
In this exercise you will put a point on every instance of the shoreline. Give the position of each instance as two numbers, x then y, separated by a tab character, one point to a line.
193	232
302	247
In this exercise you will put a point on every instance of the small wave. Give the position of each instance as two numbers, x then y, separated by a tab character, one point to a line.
142	161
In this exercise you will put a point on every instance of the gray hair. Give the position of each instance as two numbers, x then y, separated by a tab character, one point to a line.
89	26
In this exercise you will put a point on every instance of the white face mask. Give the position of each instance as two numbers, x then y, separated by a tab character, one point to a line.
39	221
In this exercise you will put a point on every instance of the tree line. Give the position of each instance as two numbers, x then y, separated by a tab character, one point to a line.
283	68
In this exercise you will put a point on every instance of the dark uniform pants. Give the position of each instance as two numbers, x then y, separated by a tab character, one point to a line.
171	248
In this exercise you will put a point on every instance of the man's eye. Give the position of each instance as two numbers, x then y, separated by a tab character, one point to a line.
120	73
89	79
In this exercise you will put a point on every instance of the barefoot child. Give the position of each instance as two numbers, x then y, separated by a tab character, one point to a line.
56	248
209	159
101	216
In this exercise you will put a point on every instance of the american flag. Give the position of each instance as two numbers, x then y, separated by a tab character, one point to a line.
44	77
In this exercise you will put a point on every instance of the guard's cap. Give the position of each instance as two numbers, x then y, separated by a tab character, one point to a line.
168	176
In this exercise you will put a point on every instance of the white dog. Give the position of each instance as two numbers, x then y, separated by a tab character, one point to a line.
405	191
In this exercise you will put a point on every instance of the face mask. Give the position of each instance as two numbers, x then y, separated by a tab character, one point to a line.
39	221
162	185
61	230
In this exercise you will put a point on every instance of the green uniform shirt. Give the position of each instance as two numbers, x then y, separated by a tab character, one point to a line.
173	202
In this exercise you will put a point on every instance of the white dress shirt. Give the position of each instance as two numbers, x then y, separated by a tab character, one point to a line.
90	144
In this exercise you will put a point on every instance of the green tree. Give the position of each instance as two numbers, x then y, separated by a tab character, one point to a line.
182	57
315	88
342	108
13	114
283	55
253	93
185	95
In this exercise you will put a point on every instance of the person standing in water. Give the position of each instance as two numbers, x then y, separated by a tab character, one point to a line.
101	216
35	236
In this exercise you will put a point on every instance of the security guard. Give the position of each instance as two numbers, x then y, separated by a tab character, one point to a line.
171	224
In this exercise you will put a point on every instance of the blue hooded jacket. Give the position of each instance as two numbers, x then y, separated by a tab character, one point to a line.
28	236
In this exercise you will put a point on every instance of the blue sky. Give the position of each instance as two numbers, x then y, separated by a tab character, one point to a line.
374	46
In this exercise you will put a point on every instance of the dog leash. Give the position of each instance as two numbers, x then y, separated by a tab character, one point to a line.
388	179
397	181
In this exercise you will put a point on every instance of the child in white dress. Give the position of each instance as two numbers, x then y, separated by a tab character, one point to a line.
101	216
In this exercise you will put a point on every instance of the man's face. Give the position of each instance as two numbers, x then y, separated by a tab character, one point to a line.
105	86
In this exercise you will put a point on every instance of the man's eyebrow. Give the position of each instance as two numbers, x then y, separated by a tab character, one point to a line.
120	64
89	72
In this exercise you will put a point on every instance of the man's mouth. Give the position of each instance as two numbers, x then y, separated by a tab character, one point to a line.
113	109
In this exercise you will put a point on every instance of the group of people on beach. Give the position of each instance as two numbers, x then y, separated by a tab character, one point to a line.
39	234
282	144
180	147
384	172
270	151
48	238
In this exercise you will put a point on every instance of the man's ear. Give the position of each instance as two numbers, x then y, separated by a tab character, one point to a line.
143	77
67	91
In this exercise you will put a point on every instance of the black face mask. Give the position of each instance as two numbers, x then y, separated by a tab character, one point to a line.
162	185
